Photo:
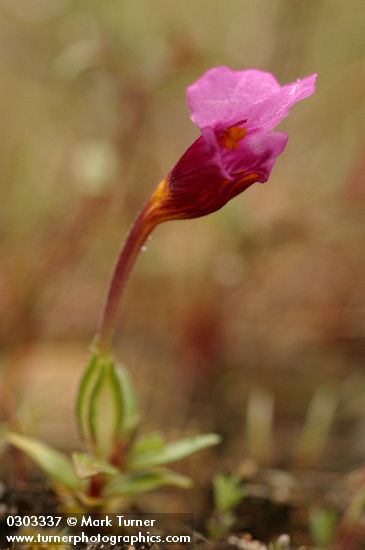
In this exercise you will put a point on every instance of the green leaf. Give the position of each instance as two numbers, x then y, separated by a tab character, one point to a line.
141	482
54	464
228	492
130	409
88	466
172	452
106	410
148	442
83	397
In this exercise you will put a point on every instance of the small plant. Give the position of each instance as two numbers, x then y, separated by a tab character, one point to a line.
228	493
236	112
117	463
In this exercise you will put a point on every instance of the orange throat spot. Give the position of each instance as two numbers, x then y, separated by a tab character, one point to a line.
232	137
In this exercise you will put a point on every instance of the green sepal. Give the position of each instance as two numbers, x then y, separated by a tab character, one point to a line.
87	466
107	408
57	466
130	410
83	397
140	482
105	412
171	452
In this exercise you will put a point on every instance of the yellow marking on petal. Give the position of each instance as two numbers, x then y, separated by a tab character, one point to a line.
156	203
160	192
241	184
249	178
232	136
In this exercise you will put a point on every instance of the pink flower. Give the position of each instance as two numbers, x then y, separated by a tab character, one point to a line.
236	112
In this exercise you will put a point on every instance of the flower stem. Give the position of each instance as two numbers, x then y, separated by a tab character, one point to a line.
145	222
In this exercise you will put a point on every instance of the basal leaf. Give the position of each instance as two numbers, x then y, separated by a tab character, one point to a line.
172	452
88	466
57	466
141	482
147	443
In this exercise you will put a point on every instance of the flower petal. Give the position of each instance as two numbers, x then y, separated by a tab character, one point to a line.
267	114
236	112
222	97
194	183
256	154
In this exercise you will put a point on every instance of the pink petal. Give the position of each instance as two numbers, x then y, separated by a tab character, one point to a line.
222	97
256	154
267	114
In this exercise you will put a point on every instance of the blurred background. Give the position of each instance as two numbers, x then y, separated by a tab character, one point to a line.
258	307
